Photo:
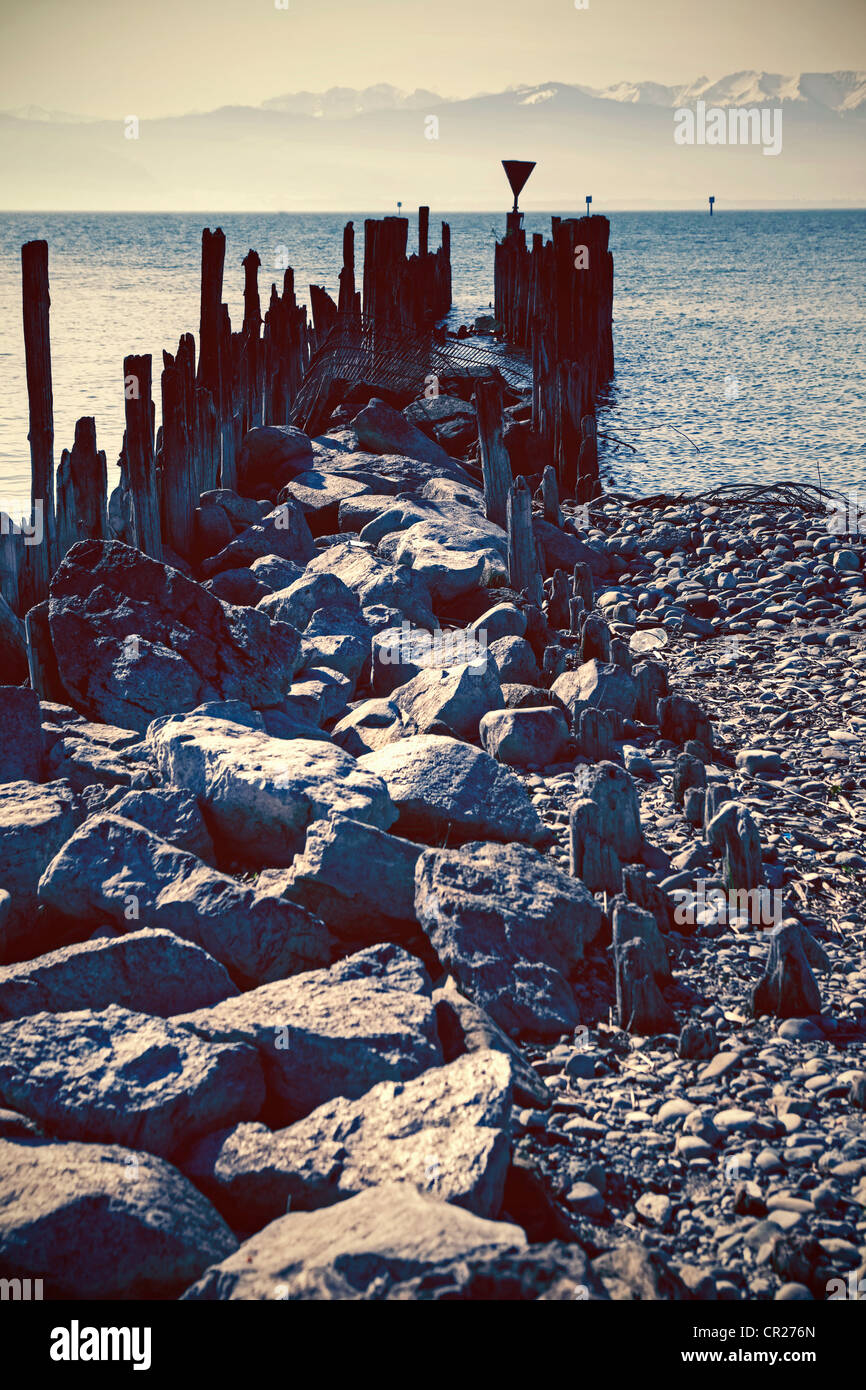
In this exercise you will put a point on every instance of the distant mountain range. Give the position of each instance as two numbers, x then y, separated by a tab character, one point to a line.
346	149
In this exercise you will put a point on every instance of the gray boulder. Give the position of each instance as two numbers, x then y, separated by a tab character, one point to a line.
356	1249
374	581
382	430
34	822
113	870
297	603
598	685
457	696
358	879
118	1077
439	784
135	639
96	1221
447	1132
370	725
465	1027
151	972
270	454
527	737
453	557
260	793
172	815
283	532
334	1032
515	661
511	929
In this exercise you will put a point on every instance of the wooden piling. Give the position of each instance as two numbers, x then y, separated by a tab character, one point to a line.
40	559
524	574
495	465
82	490
140	458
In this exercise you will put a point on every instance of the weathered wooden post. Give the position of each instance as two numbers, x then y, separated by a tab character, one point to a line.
523	571
550	496
423	229
40	559
495	464
712	200
140	456
82	490
347	299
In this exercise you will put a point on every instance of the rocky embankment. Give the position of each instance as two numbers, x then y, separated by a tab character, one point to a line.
371	931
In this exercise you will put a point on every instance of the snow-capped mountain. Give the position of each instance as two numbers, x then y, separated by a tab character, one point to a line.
346	149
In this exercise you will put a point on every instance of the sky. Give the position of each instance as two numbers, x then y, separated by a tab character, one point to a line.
107	58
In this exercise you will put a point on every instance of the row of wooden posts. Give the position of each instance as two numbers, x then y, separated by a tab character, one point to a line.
241	380
555	300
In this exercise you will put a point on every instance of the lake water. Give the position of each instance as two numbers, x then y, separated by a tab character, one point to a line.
738	339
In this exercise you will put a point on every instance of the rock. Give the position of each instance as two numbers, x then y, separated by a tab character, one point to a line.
383	430
319	496
112	869
600	685
238	586
68	1210
89	753
357	879
261	793
399	654
554	1272
586	1200
787	987
359	1248
297	603
503	620
448	420
525	737
20	735
631	1273
641	1008
459	696
135	639
655	1210
146	971
370	725
283	531
453	557
511	928
440	784
515	661
270	454
447	1132
34	822
275	572
465	1027
334	1032
172	815
760	762
118	1077
373	581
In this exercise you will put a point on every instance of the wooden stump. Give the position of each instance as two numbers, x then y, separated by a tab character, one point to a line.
495	465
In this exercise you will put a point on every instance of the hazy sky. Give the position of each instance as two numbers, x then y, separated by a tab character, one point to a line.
164	57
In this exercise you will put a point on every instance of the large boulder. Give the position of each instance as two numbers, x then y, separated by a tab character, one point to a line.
457	696
357	1249
114	870
135	639
283	531
172	815
383	430
357	879
598	685
447	1131
440	785
527	737
260	793
96	1221
270	454
465	1027
297	603
118	1077
151	972
511	929
34	822
453	556
376	582
334	1032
